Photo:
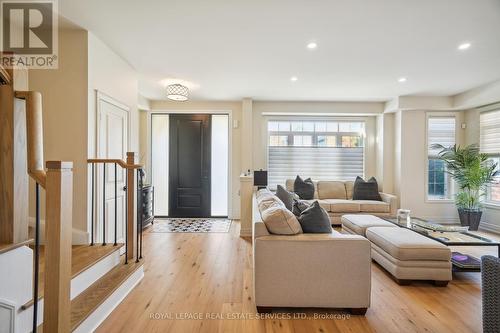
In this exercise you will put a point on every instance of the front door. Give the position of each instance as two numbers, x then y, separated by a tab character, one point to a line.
112	144
189	165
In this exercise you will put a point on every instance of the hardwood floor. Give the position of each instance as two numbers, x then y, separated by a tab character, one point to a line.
188	276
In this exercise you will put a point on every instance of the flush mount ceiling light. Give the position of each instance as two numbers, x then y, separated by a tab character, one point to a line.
294	78
464	46
402	80
312	45
177	92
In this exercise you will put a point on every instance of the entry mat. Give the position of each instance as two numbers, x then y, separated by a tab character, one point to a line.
191	225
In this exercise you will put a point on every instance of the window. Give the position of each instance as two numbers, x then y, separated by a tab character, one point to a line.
317	149
440	130
489	142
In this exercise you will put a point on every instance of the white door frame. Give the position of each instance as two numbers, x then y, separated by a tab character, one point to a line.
229	113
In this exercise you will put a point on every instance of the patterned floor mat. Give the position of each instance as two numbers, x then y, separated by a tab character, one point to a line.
191	225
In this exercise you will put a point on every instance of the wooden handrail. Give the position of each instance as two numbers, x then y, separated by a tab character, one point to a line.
34	135
121	163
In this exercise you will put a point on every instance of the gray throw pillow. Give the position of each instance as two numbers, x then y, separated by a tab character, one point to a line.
299	207
285	196
304	188
314	219
366	190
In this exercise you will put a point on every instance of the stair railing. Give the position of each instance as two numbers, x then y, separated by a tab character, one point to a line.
130	229
58	184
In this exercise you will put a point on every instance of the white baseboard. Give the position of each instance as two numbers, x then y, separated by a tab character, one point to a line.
78	237
484	226
441	220
104	310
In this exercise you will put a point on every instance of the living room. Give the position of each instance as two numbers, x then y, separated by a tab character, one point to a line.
250	166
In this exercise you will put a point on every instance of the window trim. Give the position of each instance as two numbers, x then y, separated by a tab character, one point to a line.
429	115
487	202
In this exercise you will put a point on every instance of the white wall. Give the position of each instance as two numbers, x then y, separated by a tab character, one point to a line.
477	97
411	159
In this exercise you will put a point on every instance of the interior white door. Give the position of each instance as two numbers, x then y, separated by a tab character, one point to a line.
112	142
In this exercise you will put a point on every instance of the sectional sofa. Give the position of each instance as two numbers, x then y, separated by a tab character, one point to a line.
336	198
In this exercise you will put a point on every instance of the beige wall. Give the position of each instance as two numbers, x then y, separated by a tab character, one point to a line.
64	93
69	100
235	162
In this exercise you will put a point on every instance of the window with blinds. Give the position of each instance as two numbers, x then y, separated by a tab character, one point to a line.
489	143
322	150
440	130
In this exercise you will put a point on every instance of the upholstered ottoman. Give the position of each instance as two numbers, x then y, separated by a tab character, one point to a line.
409	256
358	223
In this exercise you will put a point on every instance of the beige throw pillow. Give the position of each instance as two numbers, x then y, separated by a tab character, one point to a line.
280	221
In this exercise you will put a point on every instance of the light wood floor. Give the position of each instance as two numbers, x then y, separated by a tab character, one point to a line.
211	274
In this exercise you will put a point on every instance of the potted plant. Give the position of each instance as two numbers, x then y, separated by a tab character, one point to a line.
472	172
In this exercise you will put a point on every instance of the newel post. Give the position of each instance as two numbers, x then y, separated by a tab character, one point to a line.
58	225
130	205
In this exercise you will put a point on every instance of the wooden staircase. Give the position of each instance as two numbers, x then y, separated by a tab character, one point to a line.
77	287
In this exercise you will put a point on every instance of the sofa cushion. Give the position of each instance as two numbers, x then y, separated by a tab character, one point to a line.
280	221
404	244
323	203
331	190
266	198
285	196
373	206
299	206
349	189
342	205
289	186
358	223
366	190
314	219
304	188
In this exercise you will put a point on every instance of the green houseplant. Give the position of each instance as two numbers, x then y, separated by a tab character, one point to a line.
472	172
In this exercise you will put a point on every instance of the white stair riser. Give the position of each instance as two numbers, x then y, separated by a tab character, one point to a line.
92	274
102	312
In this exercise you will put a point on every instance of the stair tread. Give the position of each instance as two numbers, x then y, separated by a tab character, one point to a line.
83	305
90	299
82	258
6	247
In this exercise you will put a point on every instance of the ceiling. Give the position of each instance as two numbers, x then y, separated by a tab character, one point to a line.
227	50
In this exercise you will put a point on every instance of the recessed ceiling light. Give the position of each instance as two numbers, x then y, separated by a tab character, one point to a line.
294	78
464	46
402	79
312	45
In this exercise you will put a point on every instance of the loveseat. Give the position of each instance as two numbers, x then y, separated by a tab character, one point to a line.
336	198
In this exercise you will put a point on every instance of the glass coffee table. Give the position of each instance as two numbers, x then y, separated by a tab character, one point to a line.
449	236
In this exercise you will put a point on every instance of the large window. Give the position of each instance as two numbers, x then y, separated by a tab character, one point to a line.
322	150
490	144
440	130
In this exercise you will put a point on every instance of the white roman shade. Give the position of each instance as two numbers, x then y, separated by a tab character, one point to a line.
319	163
440	130
489	139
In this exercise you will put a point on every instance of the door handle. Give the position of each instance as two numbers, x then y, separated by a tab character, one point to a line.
124	188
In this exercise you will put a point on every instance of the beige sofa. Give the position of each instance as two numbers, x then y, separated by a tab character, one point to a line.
336	198
310	270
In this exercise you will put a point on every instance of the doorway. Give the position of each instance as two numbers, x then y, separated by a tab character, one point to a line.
112	142
190	164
